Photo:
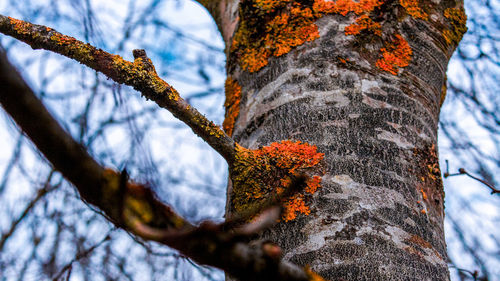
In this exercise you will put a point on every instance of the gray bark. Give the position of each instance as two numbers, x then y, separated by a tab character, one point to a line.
379	214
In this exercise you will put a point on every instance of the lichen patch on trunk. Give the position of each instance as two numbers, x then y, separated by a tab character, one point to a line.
395	55
429	181
259	173
232	104
456	18
273	28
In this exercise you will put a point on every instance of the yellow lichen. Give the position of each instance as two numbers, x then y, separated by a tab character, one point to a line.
260	173
207	125
111	179
127	201
138	208
135	72
457	19
272	33
270	5
413	9
78	50
444	89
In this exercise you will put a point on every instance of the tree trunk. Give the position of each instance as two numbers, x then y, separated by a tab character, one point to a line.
363	82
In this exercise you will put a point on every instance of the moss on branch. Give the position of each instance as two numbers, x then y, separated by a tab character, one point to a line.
136	74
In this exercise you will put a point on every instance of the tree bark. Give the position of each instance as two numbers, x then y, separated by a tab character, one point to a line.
365	90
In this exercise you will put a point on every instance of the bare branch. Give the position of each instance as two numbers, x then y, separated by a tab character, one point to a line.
97	185
137	74
134	207
80	256
40	194
462	171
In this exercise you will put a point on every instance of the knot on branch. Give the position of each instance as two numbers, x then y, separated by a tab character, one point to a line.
142	59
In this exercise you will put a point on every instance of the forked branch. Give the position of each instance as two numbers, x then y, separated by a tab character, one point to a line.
131	206
137	74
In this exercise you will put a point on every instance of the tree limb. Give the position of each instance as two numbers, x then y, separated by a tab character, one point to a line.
137	74
97	185
134	207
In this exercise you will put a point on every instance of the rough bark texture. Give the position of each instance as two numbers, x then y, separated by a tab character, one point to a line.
135	207
379	213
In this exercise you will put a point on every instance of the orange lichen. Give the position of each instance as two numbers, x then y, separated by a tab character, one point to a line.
256	41
267	171
412	8
424	195
281	37
313	184
415	239
364	22
311	275
343	7
69	45
343	61
232	105
428	179
421	243
429	166
77	49
295	205
273	28
291	155
395	55
457	19
20	26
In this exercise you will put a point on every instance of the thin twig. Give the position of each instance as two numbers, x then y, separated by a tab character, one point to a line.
40	194
82	255
462	171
